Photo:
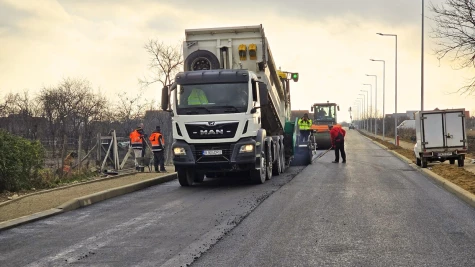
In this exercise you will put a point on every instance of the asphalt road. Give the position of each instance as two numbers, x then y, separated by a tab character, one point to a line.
372	211
165	225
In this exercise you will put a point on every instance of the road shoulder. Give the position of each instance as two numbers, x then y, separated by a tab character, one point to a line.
461	193
37	206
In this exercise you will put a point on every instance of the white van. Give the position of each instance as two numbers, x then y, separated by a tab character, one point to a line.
407	124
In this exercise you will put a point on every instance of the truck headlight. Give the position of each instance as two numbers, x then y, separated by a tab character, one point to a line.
246	148
179	151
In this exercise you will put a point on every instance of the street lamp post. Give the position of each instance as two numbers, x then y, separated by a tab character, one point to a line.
384	81
422	59
375	103
370	107
360	102
366	109
395	88
358	105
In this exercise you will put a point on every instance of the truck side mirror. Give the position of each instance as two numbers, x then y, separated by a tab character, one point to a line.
338	108
311	108
165	100
263	94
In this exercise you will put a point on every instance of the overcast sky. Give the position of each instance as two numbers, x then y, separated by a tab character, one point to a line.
329	42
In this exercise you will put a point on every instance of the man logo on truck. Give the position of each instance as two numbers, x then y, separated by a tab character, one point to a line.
210	132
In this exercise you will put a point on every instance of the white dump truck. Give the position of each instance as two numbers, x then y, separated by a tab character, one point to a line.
231	107
440	136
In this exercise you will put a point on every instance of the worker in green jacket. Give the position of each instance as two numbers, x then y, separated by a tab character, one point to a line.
197	97
304	126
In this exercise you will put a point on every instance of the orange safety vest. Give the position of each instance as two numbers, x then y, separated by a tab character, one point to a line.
136	140
157	141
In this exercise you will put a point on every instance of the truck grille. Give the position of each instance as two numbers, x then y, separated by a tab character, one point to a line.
217	131
227	150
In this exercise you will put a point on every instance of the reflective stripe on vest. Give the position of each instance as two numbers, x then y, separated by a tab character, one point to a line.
135	140
304	125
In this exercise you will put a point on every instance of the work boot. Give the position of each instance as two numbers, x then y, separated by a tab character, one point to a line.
344	161
335	161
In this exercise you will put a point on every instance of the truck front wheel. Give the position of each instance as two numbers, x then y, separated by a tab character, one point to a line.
452	161
199	177
259	176
185	176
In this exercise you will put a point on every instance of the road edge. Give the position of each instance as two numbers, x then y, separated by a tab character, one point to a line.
87	200
458	191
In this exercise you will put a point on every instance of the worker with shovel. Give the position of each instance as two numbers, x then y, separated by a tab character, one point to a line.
337	134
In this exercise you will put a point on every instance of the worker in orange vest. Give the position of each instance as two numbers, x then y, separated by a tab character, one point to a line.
158	149
137	143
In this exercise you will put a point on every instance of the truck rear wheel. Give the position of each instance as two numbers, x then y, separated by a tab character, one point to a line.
418	161
269	162
185	176
452	161
277	167
259	176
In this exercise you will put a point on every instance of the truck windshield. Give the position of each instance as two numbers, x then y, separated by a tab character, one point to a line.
324	113
212	98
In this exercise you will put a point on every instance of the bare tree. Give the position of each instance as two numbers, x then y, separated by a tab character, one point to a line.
129	111
20	110
455	34
69	108
165	62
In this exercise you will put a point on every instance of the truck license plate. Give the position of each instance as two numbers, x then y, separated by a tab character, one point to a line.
445	154
212	152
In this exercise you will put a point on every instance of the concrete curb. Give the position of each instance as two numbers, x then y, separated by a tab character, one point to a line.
461	193
87	200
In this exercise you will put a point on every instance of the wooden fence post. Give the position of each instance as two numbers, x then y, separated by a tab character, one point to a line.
79	151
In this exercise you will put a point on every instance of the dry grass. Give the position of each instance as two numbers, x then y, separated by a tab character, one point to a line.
454	174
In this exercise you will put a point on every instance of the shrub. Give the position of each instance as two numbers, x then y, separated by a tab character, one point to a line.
20	162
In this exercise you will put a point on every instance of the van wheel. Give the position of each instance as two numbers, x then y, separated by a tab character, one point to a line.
461	162
424	162
201	60
418	161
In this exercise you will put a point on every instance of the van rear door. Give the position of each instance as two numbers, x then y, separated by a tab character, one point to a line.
433	130
455	129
